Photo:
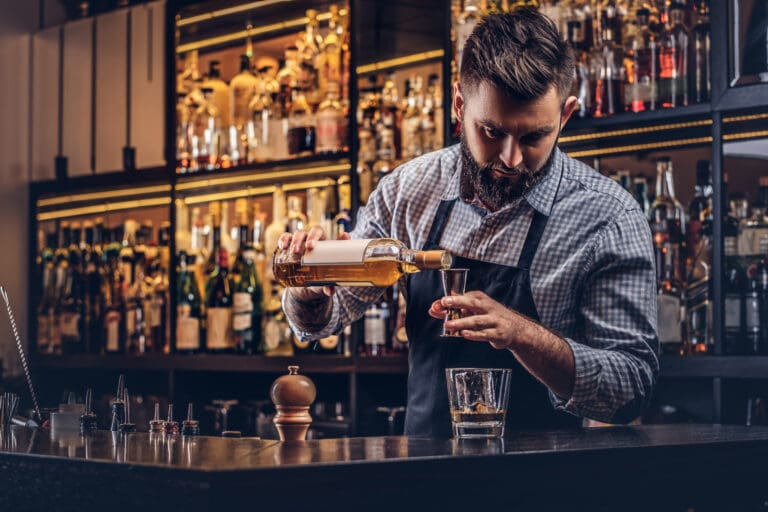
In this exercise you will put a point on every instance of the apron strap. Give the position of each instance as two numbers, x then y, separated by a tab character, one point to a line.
438	225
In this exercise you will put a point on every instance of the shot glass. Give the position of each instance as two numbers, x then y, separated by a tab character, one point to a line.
454	283
478	400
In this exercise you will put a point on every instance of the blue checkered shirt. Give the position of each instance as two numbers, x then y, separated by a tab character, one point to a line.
593	278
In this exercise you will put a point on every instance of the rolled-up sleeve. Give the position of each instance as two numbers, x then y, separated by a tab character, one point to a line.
615	358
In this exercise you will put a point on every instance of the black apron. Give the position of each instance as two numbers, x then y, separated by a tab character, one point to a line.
429	354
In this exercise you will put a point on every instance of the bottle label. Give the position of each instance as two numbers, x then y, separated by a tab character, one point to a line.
242	308
130	320
669	325
732	312
54	331
187	329
42	332
335	252
112	324
329	132
752	318
70	323
272	334
219	327
156	311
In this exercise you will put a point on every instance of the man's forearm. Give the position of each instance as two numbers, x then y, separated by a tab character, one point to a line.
549	358
309	314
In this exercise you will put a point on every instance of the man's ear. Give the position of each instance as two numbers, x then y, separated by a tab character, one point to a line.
569	107
458	102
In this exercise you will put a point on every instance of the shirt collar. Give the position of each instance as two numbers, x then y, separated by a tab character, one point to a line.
541	197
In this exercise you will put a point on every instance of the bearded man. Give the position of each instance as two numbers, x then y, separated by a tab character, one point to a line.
561	272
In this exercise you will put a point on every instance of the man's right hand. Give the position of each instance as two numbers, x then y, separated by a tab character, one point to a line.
298	243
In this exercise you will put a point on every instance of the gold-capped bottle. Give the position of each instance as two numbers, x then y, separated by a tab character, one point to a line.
366	262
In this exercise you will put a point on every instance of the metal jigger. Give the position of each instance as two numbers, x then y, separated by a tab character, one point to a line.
454	283
292	395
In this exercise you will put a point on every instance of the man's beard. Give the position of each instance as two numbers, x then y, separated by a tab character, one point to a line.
495	193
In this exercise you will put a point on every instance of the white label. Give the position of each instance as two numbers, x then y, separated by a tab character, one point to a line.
156	312
669	325
69	325
112	323
130	320
42	331
187	329
219	325
272	334
242	308
733	312
752	318
335	252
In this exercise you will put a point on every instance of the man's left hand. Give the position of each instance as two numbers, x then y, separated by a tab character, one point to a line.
484	319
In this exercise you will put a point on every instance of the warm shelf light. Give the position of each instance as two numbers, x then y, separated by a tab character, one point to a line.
226	12
264	177
255	191
634	131
639	147
415	58
103	208
107	194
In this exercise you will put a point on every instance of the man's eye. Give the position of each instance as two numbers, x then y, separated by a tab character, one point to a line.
532	139
492	133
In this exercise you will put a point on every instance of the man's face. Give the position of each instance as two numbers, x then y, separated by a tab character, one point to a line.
506	144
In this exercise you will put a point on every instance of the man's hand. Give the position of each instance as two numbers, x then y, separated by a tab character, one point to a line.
299	243
484	319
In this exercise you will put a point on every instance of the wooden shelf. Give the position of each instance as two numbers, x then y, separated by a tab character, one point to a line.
116	179
631	119
226	363
727	367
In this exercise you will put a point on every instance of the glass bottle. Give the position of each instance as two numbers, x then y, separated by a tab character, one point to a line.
288	80
607	73
698	292
135	312
762	287
296	219
220	90
241	90
467	21
385	162
301	126
72	302
581	82
670	306
264	128
667	219
412	144
246	300
46	320
673	60
752	320
641	88
331	123
114	303
367	262
389	114
188	307
640	192
309	52
276	227
218	307
700	74
735	282
700	208
329	67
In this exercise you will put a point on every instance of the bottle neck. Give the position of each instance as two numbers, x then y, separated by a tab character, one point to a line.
665	182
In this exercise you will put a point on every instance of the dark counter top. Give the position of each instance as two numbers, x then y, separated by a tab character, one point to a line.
592	466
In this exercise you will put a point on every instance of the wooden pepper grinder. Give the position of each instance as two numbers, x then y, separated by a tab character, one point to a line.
292	395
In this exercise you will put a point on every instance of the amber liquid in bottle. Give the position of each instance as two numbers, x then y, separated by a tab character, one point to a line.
382	272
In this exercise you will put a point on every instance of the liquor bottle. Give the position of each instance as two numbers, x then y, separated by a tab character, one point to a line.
467	21
581	81
277	227
752	320
671	311
263	128
385	161
46	320
412	144
220	89
375	323
367	262
301	126
92	298
315	208
607	70
114	304
667	219
214	209
389	113
135	312
399	334
208	123
309	53
673	60
342	221
700	73
247	297
365	180
72	302
259	226
158	314
277	332
188	308
295	219
641	91
218	307
241	90
698	292
331	200
331	125
700	208
640	193
329	63
288	80
762	286
734	298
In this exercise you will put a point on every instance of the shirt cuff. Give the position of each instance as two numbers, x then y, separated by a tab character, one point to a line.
330	328
586	384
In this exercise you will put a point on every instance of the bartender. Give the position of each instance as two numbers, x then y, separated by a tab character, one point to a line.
561	280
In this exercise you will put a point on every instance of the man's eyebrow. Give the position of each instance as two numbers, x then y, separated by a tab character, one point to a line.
536	132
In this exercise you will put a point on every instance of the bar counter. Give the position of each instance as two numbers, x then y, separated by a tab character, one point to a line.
662	467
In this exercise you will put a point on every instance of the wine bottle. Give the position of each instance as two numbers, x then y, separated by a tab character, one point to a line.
218	306
188	307
366	262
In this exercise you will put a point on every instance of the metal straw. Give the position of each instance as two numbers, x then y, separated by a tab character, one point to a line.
22	356
9	402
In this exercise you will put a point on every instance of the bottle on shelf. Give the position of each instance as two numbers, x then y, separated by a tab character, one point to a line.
331	122
700	53
247	296
671	307
375	323
367	262
581	81
607	69
114	304
700	208
469	17
276	227
135	312
735	281
295	219
301	126
47	323
667	220
188	308
673	60
72	301
641	91
241	90
220	90
218	307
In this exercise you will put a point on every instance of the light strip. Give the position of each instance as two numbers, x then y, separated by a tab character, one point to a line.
242	34
745	135
103	208
107	194
634	131
226	12
639	147
400	61
255	191
738	119
262	177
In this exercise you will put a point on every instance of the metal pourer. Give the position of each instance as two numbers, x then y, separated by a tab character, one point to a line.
156	424
88	421
190	426
127	426
171	427
118	406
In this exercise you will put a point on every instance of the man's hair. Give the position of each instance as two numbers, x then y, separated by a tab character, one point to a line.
521	54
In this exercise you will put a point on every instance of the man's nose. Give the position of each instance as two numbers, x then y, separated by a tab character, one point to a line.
511	155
